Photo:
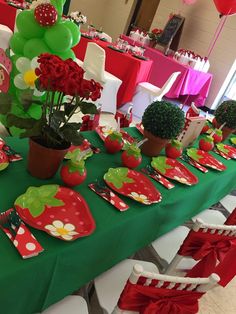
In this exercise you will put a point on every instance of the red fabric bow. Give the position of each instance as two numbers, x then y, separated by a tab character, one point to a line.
152	300
208	249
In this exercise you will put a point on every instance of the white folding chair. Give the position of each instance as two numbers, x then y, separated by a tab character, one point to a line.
109	298
5	35
94	65
146	93
109	285
72	304
179	264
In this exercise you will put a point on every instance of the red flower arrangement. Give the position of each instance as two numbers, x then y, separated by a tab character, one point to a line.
155	34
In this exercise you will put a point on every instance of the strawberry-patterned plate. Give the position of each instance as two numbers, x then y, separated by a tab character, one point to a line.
227	150
132	184
205	159
173	169
57	210
104	131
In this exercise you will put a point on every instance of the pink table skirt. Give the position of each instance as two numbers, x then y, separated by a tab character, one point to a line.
191	85
129	69
7	15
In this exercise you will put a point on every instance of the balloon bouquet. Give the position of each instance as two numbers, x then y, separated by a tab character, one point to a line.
40	29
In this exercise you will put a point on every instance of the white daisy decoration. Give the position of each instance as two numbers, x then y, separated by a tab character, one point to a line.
141	198
27	77
59	229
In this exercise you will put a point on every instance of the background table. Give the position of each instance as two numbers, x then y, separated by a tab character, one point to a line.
29	286
124	66
7	15
190	85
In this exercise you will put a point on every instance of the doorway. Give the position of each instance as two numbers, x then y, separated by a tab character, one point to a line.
143	15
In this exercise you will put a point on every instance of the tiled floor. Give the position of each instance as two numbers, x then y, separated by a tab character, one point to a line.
217	301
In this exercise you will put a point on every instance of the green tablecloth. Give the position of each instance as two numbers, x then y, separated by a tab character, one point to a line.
29	286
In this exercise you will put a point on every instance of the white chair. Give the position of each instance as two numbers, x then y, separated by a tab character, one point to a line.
5	35
178	264
146	93
109	285
72	304
149	280
94	65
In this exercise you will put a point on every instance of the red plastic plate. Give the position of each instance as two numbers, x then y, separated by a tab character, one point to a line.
57	210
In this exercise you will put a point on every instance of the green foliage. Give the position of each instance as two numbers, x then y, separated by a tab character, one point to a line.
226	113
164	120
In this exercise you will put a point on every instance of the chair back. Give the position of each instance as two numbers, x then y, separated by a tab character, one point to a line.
168	84
5	35
94	62
212	246
157	293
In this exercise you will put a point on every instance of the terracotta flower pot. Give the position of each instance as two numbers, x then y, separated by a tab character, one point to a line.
43	162
154	145
225	130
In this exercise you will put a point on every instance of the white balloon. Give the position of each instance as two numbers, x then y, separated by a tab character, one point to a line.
23	64
34	63
19	82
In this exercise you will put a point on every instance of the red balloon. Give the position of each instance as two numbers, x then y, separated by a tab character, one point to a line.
226	7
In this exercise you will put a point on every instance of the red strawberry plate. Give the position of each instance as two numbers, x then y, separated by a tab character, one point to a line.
104	131
173	169
57	210
227	150
205	159
132	184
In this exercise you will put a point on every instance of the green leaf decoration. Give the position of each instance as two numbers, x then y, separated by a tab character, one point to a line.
88	107
22	123
76	166
192	153
71	135
74	155
233	140
159	163
118	176
35	199
221	148
132	150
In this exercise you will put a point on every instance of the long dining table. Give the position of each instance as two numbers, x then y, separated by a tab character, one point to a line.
129	69
191	85
31	285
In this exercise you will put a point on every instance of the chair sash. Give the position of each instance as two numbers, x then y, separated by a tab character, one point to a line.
231	220
152	300
212	251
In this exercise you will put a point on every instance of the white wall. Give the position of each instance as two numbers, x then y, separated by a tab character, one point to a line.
202	19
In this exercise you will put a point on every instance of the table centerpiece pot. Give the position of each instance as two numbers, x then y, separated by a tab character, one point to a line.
225	115
65	93
154	36
162	121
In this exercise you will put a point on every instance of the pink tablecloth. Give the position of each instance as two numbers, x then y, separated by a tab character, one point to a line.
7	15
124	66
191	85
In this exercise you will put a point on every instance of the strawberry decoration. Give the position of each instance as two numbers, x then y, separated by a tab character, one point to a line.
45	14
206	143
174	149
113	142
206	128
217	136
73	172
4	162
131	156
57	210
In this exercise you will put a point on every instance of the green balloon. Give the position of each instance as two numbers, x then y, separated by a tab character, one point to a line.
17	43
67	55
28	26
58	38
75	32
34	47
58	4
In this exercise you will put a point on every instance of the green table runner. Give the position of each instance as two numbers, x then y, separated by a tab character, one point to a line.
29	286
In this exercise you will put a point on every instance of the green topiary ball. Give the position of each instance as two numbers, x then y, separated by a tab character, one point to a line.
226	112
163	119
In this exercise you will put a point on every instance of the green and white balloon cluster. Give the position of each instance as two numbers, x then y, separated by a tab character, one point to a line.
40	29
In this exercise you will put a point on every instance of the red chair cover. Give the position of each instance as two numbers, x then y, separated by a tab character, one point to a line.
152	300
231	220
210	249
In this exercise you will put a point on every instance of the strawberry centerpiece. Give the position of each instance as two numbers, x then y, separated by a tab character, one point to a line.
206	143
4	162
206	128
113	142
217	136
45	14
174	149
131	156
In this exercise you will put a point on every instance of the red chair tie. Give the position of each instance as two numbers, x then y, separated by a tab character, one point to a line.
152	300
